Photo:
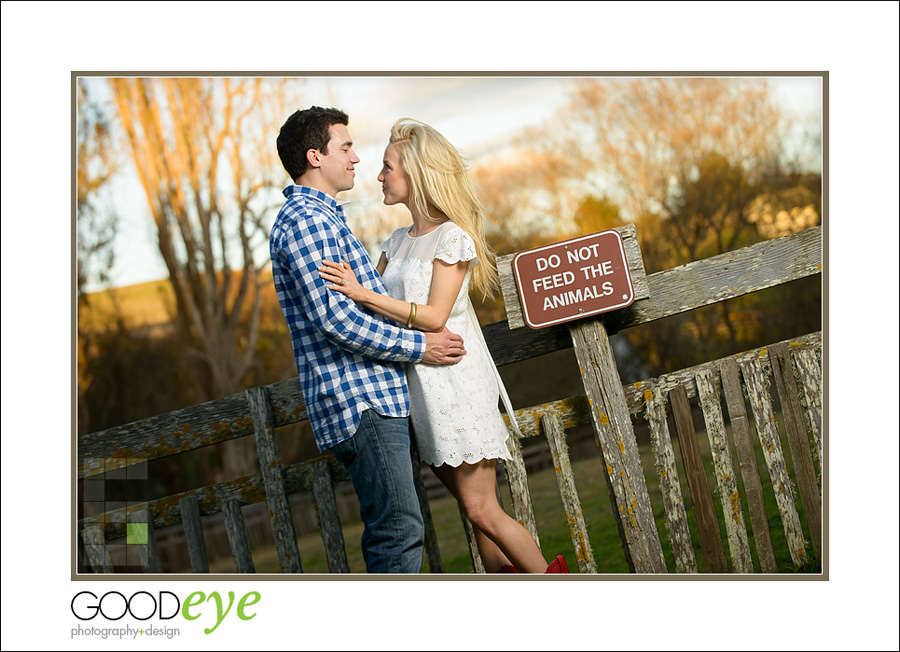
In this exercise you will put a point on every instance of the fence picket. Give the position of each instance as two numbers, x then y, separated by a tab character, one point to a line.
95	549
329	522
735	530
146	551
432	550
740	428
280	517
685	377
798	441
761	405
518	487
193	534
81	559
810	372
237	537
556	438
670	486
477	561
701	496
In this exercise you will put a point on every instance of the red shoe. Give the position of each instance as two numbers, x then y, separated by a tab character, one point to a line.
507	568
558	565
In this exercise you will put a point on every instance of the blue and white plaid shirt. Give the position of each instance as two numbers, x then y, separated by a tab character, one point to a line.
349	360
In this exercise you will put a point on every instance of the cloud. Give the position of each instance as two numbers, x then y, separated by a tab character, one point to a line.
473	112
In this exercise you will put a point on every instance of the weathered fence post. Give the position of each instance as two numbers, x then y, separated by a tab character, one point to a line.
798	441
615	436
432	550
740	427
280	516
189	509
670	487
329	523
736	531
518	487
477	561
95	549
609	412
146	550
556	438
237	537
761	405
704	509
810	372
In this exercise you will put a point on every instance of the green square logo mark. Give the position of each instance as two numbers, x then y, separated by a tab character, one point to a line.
136	533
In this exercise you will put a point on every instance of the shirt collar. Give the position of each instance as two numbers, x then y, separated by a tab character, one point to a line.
294	191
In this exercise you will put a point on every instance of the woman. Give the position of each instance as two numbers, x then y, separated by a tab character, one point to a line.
427	269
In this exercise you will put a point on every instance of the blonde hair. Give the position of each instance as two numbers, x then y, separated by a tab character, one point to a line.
439	178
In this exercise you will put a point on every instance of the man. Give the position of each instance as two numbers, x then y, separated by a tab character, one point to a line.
350	362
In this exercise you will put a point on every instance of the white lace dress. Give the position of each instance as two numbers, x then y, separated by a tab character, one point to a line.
453	408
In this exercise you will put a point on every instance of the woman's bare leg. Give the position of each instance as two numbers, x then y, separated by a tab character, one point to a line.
474	486
491	556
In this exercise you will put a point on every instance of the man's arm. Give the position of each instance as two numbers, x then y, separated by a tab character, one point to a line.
300	251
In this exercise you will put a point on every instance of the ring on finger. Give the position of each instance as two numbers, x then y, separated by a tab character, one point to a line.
343	281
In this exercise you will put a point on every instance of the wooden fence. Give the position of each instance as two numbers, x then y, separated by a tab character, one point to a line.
608	406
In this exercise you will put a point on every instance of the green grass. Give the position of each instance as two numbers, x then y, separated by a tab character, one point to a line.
552	523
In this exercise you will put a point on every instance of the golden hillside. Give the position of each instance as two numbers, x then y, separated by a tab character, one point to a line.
148	305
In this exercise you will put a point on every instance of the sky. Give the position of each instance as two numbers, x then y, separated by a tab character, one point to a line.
481	115
857	43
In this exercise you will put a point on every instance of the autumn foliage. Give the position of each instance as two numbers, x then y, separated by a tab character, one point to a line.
698	165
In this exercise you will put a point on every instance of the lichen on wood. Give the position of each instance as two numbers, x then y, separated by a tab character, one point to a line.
670	487
761	407
736	531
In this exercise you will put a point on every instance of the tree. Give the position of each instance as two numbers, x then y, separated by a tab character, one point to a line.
204	152
97	163
698	166
97	223
644	138
597	214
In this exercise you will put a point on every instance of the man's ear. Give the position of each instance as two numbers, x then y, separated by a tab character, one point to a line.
313	157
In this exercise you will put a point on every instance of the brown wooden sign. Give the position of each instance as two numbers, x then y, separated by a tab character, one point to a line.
573	279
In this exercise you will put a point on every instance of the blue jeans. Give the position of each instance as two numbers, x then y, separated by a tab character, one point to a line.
378	460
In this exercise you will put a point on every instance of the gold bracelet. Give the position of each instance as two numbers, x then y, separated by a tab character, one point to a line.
412	315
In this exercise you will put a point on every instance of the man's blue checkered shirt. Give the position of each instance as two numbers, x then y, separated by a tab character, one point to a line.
349	360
